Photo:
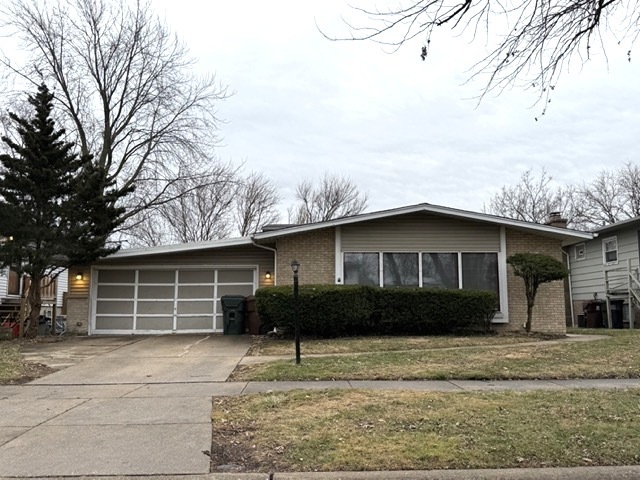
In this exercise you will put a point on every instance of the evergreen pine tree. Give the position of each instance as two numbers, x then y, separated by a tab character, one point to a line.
54	211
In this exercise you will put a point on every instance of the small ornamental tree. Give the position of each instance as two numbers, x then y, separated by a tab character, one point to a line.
535	269
57	209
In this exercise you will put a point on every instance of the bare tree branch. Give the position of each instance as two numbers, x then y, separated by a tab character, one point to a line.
531	41
126	89
334	197
256	204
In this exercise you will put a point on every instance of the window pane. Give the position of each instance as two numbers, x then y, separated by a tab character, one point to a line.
440	270
361	269
611	250
480	272
400	269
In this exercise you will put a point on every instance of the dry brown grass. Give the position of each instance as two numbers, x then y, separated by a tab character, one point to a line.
269	346
364	430
617	356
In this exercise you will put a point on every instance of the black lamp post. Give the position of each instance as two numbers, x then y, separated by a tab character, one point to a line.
295	266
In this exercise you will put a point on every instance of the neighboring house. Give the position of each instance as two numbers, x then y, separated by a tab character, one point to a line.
13	286
606	269
177	288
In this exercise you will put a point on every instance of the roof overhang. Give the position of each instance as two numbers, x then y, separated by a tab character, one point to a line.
568	236
180	248
614	226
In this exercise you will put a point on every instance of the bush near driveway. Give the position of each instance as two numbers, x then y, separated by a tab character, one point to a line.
328	311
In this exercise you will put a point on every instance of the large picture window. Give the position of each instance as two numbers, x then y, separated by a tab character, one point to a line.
400	270
361	269
480	272
440	270
472	271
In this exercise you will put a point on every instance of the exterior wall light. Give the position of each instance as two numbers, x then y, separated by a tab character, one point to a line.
79	276
267	275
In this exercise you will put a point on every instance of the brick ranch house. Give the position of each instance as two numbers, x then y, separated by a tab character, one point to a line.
177	288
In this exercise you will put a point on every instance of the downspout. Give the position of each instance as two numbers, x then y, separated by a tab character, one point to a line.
573	317
275	260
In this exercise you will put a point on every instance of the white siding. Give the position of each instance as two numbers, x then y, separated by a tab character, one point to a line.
587	276
3	281
420	232
63	286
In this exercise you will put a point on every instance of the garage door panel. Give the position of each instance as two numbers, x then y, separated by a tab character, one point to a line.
156	292
195	323
113	306
235	290
196	276
116	291
195	291
156	276
235	276
116	276
154	323
114	323
167	299
147	307
195	307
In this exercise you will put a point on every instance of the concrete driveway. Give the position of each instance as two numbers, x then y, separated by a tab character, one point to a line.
124	406
144	360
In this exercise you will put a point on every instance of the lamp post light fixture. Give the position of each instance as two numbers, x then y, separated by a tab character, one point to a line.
295	266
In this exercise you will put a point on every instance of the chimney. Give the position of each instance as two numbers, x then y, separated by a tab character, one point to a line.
556	220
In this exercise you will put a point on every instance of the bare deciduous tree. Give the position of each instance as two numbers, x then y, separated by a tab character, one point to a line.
534	198
614	195
256	204
126	88
201	209
528	40
334	197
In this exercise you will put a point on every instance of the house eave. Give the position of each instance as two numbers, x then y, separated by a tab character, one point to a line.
180	248
566	235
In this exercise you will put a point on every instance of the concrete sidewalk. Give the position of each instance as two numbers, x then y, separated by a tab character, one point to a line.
574	473
124	406
164	428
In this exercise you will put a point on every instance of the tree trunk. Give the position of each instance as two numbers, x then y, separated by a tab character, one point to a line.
34	299
527	326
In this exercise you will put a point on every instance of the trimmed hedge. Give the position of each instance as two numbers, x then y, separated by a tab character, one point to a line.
328	311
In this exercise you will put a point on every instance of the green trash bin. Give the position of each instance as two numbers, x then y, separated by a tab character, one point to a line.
233	314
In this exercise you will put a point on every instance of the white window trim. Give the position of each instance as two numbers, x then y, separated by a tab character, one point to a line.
604	253
576	247
501	316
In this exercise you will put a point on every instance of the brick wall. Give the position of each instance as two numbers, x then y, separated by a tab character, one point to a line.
315	251
549	311
78	313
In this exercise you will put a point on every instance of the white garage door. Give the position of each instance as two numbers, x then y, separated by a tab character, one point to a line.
165	301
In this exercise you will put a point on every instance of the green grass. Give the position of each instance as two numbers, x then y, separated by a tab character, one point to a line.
267	346
398	430
617	356
11	365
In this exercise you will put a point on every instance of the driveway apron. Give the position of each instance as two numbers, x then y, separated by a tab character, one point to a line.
139	406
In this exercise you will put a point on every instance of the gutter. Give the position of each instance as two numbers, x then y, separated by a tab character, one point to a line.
573	317
275	259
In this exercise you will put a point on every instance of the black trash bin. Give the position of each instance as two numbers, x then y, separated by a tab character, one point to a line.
617	314
233	314
593	312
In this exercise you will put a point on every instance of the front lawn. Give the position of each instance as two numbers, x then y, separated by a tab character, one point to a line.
10	362
617	356
268	346
13	368
392	430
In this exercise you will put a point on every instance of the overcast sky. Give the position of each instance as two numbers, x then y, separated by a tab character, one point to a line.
404	130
